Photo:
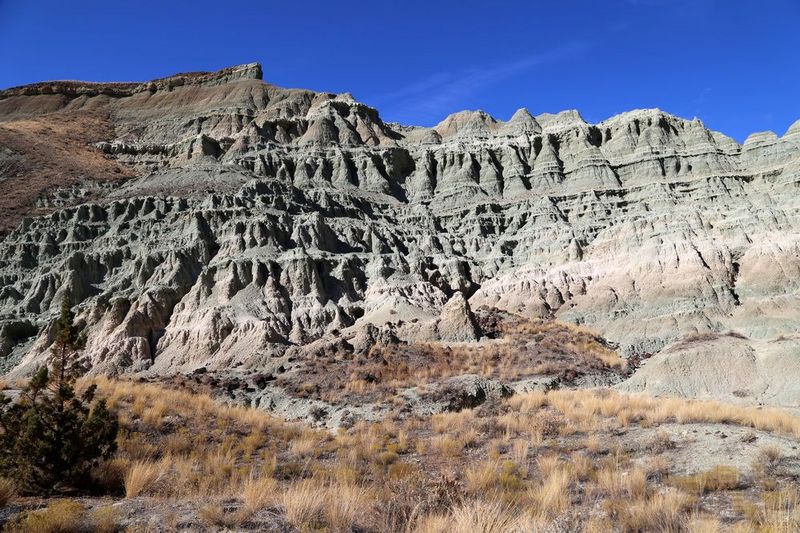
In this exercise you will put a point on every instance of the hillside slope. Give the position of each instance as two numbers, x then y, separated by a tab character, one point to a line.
214	220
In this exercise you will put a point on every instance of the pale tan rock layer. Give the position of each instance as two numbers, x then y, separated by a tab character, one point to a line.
266	217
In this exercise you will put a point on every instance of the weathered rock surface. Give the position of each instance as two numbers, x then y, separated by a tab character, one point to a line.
729	368
262	218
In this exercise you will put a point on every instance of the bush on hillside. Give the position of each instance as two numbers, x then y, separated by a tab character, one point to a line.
51	437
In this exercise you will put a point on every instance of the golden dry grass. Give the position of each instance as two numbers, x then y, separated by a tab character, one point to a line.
598	404
551	495
259	491
105	519
717	479
540	457
61	516
142	476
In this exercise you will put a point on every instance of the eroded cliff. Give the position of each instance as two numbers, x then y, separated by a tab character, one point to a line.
245	220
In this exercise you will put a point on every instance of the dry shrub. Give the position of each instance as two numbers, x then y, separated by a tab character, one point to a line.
660	442
768	459
771	453
63	516
8	491
548	424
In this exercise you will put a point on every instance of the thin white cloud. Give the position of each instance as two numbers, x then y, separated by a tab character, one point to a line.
430	99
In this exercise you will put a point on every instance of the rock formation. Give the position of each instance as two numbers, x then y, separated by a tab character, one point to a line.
245	218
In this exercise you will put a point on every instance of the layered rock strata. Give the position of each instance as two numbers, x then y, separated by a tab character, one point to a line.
262	218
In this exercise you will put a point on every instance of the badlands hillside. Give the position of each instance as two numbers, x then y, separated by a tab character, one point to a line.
306	319
214	224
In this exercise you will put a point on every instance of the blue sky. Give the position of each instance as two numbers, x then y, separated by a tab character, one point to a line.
733	63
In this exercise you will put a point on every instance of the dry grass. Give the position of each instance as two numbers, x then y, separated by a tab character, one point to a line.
532	460
614	482
62	516
218	516
142	477
303	505
663	511
346	505
520	348
494	476
487	517
105	520
8	491
447	446
704	524
717	479
57	152
551	495
160	459
259	492
336	507
597	404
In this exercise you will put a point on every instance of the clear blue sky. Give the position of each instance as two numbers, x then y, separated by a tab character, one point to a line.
733	63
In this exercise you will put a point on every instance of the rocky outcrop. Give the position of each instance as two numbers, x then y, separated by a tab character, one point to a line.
457	323
75	89
726	367
263	218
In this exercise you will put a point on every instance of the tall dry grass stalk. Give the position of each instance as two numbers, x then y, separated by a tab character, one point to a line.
484	516
259	492
142	477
